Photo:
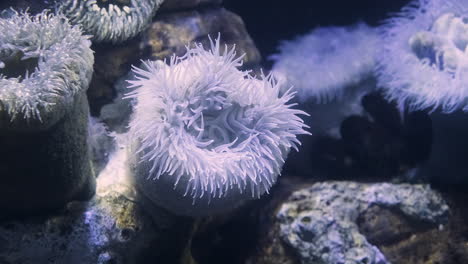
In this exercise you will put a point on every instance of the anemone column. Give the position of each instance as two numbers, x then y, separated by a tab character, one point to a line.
45	69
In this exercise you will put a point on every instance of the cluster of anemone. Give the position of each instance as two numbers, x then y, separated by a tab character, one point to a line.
44	62
201	121
110	21
322	63
424	58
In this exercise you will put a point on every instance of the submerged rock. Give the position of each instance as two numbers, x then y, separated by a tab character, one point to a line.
320	223
113	227
170	33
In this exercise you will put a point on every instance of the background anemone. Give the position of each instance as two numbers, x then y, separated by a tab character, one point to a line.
45	70
110	21
208	134
321	64
423	62
44	63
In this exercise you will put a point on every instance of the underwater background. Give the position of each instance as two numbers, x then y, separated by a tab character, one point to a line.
233	131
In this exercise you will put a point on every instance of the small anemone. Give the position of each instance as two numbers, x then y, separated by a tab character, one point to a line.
322	63
110	20
424	60
44	62
204	123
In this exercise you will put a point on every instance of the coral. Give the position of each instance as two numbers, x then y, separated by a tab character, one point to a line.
209	129
423	62
325	61
44	62
110	21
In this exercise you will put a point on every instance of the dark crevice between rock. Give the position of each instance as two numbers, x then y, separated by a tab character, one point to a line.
247	229
111	63
384	226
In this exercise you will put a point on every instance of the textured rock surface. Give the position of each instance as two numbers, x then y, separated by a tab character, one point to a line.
111	63
170	33
116	115
101	143
320	222
111	228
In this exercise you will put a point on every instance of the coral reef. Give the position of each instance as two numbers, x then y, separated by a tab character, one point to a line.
423	61
110	21
320	222
46	67
208	136
321	64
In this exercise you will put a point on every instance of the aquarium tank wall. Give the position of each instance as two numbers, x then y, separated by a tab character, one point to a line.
233	131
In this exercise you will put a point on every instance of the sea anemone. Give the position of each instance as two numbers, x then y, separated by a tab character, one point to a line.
323	63
424	60
44	63
45	69
110	21
208	131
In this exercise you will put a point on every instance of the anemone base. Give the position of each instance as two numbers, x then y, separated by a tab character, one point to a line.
43	170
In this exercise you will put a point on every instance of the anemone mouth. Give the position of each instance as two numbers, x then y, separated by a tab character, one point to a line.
16	66
220	128
110	20
444	44
44	63
215	123
424	63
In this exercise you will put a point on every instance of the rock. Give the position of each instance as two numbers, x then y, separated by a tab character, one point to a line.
320	223
116	115
170	5
170	33
101	143
113	227
111	63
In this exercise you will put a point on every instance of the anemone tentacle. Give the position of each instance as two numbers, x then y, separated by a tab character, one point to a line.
110	21
323	63
62	63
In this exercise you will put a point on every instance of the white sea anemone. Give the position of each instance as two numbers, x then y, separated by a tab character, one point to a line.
110	21
323	63
209	129
44	62
424	60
